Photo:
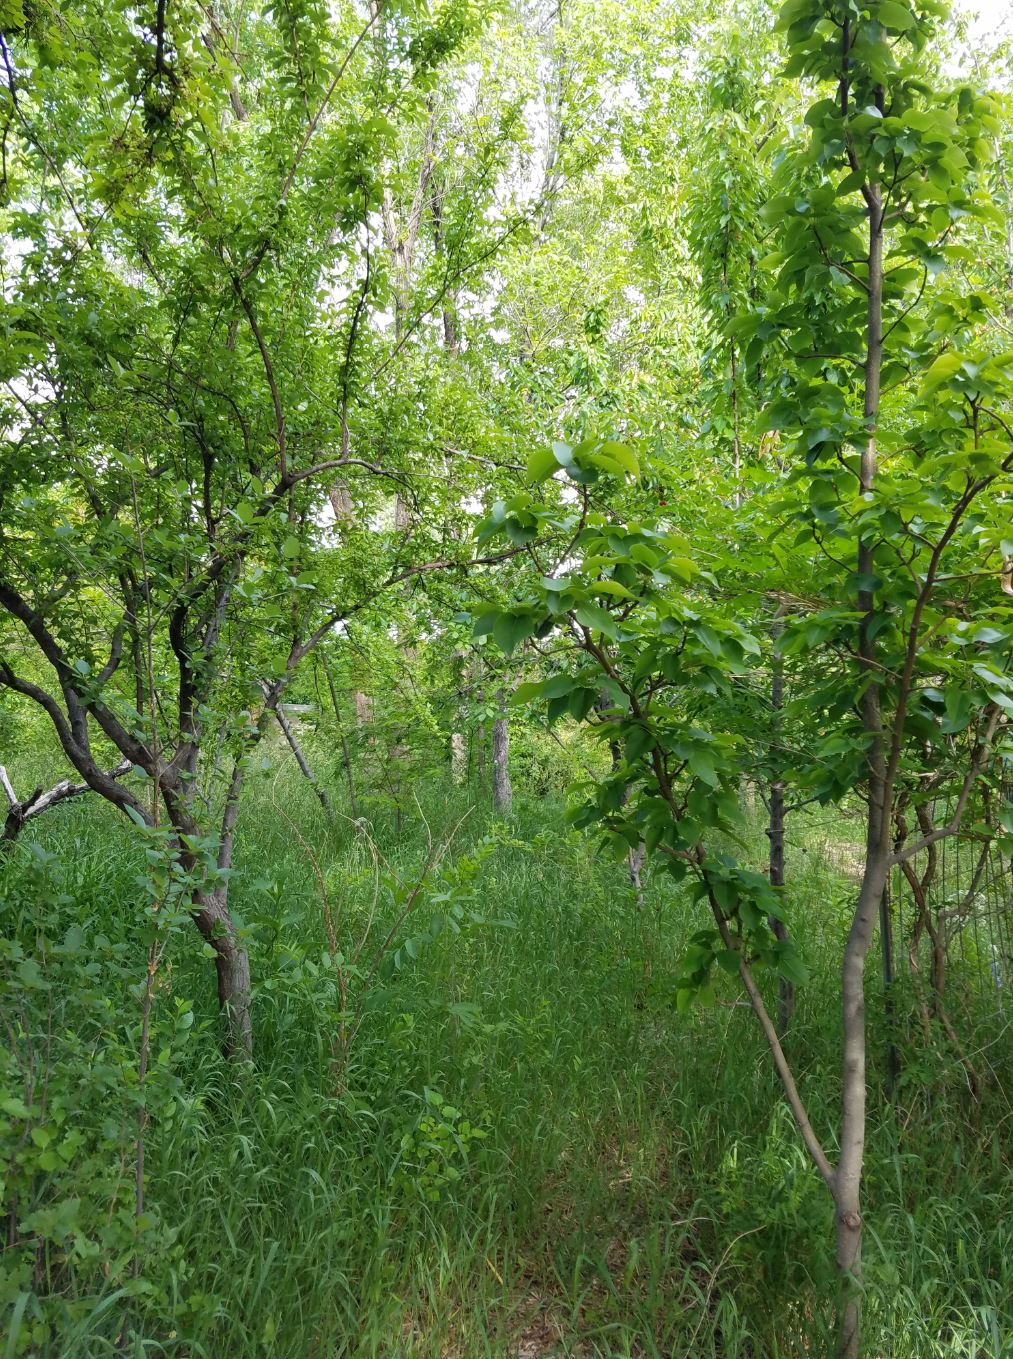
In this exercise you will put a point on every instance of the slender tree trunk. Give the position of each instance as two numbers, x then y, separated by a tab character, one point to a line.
634	857
775	834
848	1177
785	988
346	758
634	864
479	692
303	763
502	793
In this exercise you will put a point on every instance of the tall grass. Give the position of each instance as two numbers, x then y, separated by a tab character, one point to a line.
526	1151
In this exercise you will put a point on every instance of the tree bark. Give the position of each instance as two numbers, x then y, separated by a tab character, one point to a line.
479	693
458	757
502	793
785	988
848	1177
232	964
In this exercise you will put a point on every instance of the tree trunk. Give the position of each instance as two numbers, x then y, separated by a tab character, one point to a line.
346	758
785	988
458	757
303	763
775	834
848	1178
479	693
634	864
232	963
502	793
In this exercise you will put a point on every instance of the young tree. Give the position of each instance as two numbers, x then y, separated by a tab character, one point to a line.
892	509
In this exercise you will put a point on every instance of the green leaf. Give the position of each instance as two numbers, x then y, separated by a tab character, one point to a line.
542	464
624	456
30	975
728	960
596	618
613	588
790	965
701	764
558	685
527	692
518	533
894	16
511	629
940	370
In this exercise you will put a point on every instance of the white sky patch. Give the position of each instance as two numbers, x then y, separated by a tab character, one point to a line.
989	22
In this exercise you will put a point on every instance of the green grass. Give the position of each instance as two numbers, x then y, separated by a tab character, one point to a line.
636	1187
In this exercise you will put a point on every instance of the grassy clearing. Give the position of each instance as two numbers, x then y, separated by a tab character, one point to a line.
525	1152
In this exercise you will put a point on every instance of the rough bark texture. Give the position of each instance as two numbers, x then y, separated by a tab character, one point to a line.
232	964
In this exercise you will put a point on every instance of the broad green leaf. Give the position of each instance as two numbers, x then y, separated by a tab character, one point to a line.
893	15
542	464
597	619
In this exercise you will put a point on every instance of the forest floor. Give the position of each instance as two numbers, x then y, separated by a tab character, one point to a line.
521	1149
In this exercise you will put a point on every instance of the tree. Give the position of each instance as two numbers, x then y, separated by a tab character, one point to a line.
896	484
186	350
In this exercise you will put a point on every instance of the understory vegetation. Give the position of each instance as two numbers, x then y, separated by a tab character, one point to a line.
521	1153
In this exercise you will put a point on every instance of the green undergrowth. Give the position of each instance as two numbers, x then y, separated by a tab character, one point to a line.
514	1145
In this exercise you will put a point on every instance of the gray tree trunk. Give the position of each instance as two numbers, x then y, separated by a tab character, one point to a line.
502	793
458	757
232	964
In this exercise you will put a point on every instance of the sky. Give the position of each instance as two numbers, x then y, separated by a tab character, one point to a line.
993	19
